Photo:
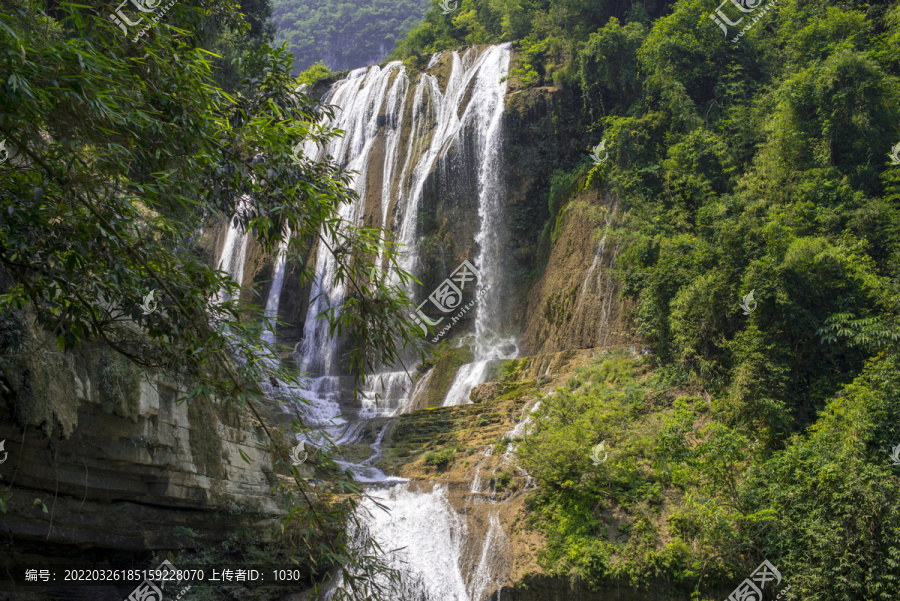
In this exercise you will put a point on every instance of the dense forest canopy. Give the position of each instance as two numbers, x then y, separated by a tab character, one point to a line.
344	35
755	162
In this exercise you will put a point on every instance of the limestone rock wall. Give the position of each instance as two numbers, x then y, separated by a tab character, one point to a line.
576	303
156	475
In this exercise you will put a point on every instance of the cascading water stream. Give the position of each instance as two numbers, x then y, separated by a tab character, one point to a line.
360	98
427	551
234	249
495	545
488	344
605	294
274	298
598	257
398	135
372	112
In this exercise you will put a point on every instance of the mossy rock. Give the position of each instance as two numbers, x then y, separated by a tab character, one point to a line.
204	438
445	369
118	385
508	370
35	378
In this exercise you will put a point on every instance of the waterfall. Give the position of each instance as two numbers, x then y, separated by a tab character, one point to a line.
473	77
398	135
387	393
359	98
427	542
274	298
492	563
488	344
426	538
395	149
468	376
491	213
234	250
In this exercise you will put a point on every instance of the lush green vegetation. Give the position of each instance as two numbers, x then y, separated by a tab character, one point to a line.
688	503
440	459
122	151
343	35
761	166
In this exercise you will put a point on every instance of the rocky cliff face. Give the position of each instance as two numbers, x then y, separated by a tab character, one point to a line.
104	465
576	302
464	455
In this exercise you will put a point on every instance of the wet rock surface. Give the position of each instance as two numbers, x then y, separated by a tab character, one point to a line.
117	488
461	464
576	303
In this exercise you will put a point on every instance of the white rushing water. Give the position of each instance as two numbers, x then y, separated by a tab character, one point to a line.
397	137
492	563
234	249
427	551
488	343
468	376
360	98
443	126
274	298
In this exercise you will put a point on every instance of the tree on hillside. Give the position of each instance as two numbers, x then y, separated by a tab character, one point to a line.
121	150
344	35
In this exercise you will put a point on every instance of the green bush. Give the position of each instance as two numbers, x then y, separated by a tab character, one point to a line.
440	459
501	480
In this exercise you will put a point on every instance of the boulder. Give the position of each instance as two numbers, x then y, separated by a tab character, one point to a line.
486	392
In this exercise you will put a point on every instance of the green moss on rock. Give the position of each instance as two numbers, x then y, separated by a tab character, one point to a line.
508	370
35	378
206	447
445	370
118	385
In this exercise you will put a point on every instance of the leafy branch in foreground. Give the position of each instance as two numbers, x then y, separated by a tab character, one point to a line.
123	154
879	333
